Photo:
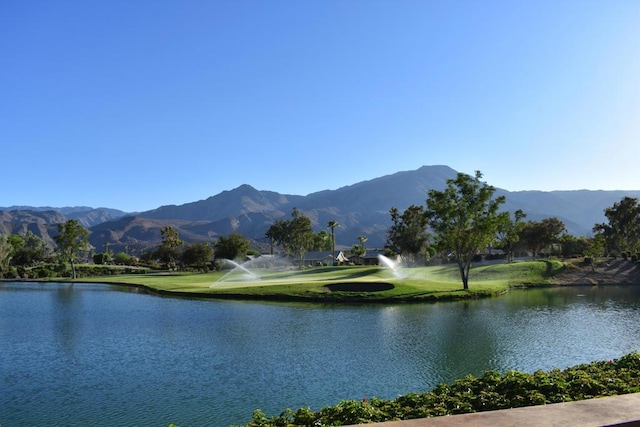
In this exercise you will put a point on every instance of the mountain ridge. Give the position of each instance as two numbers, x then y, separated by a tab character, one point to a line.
361	208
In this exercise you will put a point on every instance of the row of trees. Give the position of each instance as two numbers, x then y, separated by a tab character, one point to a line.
465	218
28	249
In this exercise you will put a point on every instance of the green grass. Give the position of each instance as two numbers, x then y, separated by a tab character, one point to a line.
417	284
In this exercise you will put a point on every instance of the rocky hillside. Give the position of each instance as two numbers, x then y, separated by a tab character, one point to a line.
360	209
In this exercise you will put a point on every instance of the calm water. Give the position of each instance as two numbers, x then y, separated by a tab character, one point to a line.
105	355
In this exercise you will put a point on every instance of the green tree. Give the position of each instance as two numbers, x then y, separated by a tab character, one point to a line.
170	249
123	258
72	239
572	245
622	231
294	235
464	218
408	235
508	233
538	235
595	248
333	224
278	234
233	247
301	235
321	241
6	251
357	249
29	249
361	241
198	255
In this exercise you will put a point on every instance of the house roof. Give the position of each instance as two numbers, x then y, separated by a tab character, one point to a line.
318	255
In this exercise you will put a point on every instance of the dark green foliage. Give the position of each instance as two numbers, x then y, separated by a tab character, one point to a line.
122	258
198	254
170	248
101	258
408	234
622	231
233	246
464	218
491	391
295	236
72	240
29	249
538	235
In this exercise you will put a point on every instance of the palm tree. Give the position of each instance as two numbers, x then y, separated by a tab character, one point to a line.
362	239
332	225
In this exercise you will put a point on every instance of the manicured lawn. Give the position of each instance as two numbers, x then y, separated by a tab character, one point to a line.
422	283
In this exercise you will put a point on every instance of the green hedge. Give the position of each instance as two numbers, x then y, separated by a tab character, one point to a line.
492	391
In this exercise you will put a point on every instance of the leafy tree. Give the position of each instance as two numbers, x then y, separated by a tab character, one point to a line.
101	258
333	224
278	234
408	235
170	249
6	251
595	247
362	240
622	232
537	235
357	249
509	232
294	235
29	249
234	246
464	218
321	241
301	235
572	245
198	254
72	239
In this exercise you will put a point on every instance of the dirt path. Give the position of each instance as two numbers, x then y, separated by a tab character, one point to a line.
606	272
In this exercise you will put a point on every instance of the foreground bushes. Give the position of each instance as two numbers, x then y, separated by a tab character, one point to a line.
491	391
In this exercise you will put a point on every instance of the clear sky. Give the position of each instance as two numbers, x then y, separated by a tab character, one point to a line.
137	104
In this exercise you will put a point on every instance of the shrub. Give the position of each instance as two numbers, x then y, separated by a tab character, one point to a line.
101	258
470	394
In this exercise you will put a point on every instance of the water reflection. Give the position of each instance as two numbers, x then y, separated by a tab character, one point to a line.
67	321
90	355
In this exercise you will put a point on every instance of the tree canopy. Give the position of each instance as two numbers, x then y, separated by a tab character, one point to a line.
537	235
198	254
508	233
233	247
170	249
622	231
464	218
72	239
408	235
294	235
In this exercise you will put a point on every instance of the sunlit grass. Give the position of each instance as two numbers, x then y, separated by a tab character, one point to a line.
419	283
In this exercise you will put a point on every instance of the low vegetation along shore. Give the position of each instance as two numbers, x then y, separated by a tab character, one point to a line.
491	391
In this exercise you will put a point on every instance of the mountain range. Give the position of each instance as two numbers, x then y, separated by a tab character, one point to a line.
360	209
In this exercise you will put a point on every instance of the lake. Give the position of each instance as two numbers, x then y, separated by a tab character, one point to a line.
104	355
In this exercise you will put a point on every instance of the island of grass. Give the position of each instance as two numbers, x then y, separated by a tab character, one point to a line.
352	283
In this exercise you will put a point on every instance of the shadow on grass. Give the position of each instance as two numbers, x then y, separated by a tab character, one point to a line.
359	287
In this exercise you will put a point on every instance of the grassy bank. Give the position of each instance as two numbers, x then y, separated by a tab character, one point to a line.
348	284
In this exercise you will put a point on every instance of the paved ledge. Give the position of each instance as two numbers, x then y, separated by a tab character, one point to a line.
620	411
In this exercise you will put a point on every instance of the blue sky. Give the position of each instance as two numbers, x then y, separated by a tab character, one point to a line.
137	104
